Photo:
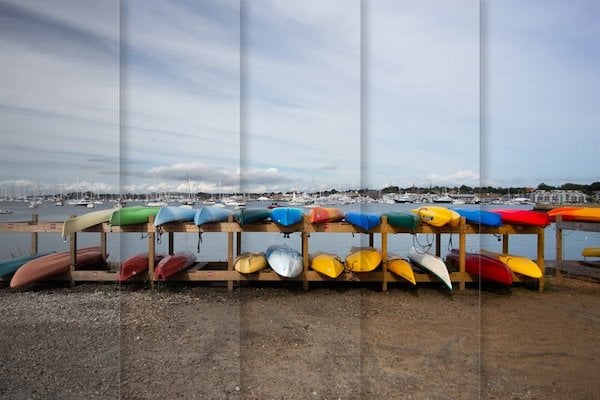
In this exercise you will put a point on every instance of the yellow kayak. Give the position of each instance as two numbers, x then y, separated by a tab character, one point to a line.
327	264
438	216
363	259
518	264
591	252
401	267
247	263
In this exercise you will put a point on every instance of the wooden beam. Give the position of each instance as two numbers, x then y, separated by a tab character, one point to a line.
34	235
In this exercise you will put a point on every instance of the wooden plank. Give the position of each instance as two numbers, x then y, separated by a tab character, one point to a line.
27	227
384	257
34	235
151	250
462	244
540	258
559	242
578	226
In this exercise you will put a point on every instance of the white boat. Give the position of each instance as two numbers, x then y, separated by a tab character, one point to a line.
431	263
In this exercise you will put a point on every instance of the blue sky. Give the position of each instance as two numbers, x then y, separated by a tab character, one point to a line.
275	95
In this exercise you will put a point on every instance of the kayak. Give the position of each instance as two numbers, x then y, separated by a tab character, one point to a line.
208	215
251	215
518	264
480	217
8	267
170	214
591	252
173	264
132	215
438	216
52	264
325	214
364	220
401	267
79	223
402	219
284	260
432	264
135	265
287	216
577	214
363	259
327	264
523	217
488	268
247	263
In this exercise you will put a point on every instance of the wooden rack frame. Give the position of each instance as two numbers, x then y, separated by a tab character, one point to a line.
205	271
572	226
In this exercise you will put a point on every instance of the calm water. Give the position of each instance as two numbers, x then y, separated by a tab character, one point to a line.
214	245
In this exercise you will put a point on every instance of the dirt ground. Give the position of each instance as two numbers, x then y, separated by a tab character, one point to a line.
279	342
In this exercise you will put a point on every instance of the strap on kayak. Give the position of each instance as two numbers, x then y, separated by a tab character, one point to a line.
199	240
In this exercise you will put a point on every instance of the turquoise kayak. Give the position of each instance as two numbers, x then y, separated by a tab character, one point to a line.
10	266
287	216
207	215
364	220
169	214
251	215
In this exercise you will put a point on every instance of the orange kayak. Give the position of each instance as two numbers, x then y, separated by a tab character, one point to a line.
325	214
577	214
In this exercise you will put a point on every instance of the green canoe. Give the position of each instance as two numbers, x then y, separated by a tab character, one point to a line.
251	215
402	219
133	215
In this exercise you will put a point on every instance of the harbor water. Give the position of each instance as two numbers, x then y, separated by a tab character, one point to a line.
213	246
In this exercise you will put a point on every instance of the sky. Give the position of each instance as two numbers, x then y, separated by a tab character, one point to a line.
275	95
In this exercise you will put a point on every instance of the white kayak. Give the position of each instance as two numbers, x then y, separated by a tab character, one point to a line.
431	263
284	260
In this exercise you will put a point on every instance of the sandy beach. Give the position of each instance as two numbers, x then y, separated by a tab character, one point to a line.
275	342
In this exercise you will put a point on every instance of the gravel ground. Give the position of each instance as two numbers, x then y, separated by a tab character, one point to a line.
274	342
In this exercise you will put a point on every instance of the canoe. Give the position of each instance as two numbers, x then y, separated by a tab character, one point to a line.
577	214
363	259
438	216
591	252
135	265
170	214
518	264
247	263
132	215
252	215
208	215
402	219
173	264
432	264
52	264
401	267
480	217
364	220
284	260
79	223
287	216
8	267
327	264
523	217
488	268
325	214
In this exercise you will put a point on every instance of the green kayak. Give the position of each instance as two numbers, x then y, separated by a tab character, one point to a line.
251	215
133	215
402	219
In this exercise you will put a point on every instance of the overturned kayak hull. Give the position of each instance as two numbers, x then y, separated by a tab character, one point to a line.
432	264
319	215
284	260
136	265
209	215
363	259
171	214
79	223
327	264
247	263
173	264
517	264
438	216
248	216
133	215
364	220
480	217
403	219
287	216
523	217
9	267
488	268
401	267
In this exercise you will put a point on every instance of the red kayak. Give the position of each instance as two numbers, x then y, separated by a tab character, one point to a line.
52	264
135	265
171	265
523	217
325	214
489	269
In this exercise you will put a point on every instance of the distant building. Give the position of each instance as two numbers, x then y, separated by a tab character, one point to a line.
558	197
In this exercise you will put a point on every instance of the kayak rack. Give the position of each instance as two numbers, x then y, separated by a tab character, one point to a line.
572	226
224	272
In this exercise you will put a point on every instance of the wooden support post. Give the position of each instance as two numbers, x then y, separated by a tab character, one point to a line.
103	245
505	243
171	240
559	245
384	255
371	242
305	260
230	257
438	244
462	244
151	250
34	235
540	257
238	243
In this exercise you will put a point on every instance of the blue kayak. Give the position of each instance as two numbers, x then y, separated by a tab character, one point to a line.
207	215
169	214
480	217
10	266
287	216
364	220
